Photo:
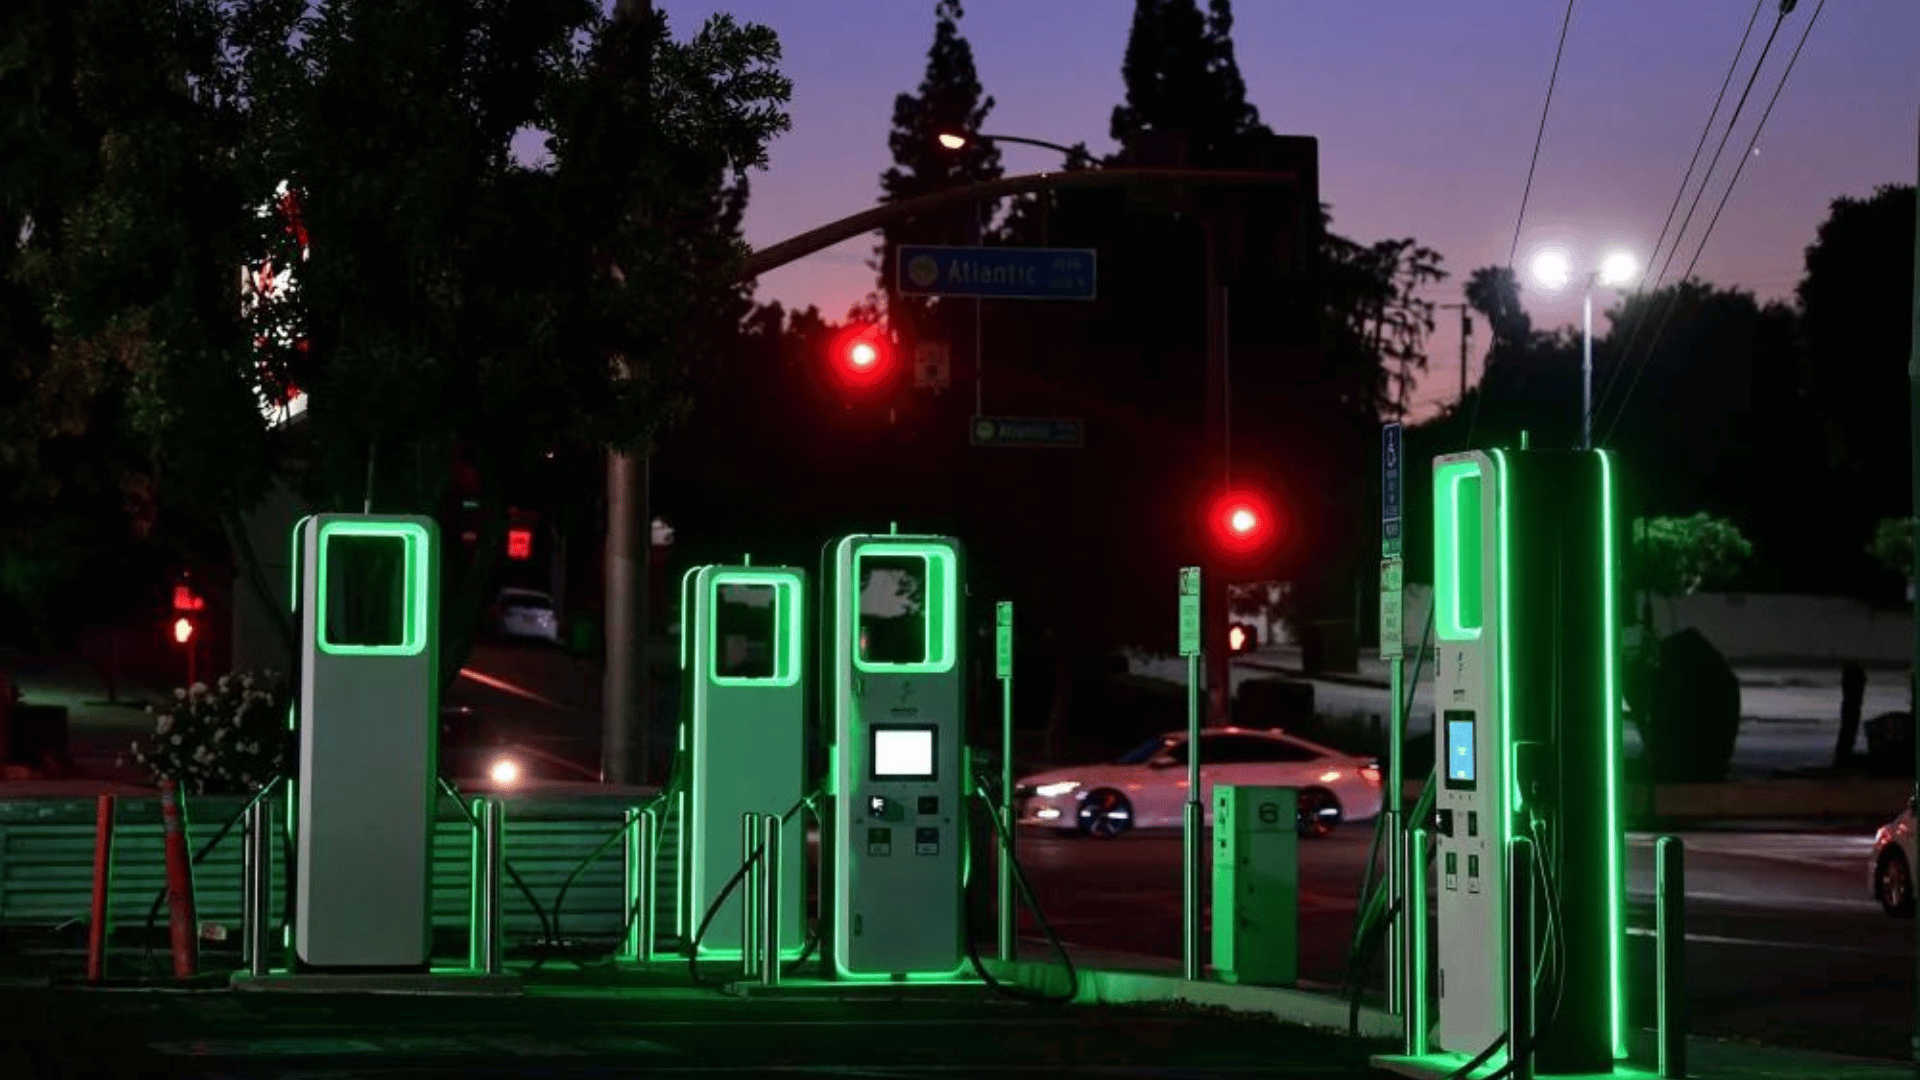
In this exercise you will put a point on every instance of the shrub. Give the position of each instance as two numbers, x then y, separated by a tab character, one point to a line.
228	738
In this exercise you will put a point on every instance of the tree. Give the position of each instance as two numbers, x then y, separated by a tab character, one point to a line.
1676	556
1892	546
1183	80
949	101
1855	302
1494	292
454	297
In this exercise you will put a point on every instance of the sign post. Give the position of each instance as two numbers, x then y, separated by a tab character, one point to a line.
1392	650
1191	842
1003	669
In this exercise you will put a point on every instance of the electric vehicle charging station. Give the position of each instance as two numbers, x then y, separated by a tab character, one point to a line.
1526	749
367	602
897	693
742	658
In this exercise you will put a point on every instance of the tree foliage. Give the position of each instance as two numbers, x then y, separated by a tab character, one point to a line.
1676	556
454	299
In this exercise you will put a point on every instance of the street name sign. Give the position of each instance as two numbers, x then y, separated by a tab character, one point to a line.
1390	447
1028	431
996	273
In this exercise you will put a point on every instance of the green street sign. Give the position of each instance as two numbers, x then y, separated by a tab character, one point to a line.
1003	639
1190	611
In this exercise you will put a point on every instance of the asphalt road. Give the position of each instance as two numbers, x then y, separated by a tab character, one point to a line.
634	1031
1784	944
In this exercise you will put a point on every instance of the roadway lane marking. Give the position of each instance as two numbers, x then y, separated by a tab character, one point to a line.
1783	902
1715	939
506	687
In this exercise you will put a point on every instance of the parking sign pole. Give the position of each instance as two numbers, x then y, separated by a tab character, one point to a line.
1192	845
1003	667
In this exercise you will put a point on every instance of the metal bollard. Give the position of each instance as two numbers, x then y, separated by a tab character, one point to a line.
485	932
750	883
1520	970
1415	886
642	878
1396	933
257	922
770	902
1670	954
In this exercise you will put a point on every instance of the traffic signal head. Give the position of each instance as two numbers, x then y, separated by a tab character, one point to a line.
519	544
1242	638
1241	523
862	357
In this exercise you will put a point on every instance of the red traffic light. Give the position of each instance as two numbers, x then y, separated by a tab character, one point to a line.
520	544
184	599
862	356
1241	523
1242	638
182	630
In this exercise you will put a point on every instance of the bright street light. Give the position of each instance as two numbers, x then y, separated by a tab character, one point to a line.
1618	268
951	141
1552	269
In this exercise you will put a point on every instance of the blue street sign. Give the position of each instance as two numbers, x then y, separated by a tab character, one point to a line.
1013	273
1390	489
1019	431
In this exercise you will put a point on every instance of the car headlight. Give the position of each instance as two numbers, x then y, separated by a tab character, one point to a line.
1058	787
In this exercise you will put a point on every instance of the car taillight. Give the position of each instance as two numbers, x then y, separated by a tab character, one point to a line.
1371	774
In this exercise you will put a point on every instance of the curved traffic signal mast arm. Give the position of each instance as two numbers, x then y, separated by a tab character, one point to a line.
777	255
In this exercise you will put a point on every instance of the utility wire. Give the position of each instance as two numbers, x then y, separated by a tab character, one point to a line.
1526	192
1673	302
1613	371
1786	8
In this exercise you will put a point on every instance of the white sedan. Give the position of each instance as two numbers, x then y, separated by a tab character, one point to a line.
1147	786
525	613
1891	865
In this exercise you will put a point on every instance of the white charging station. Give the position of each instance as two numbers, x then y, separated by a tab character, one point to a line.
367	601
898	694
1470	728
742	657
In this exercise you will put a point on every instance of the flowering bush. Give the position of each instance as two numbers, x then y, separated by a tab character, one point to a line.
227	738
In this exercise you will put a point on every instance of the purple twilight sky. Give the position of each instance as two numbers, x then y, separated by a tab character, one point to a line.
1425	112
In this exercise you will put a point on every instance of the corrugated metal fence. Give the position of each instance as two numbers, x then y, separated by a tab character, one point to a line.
46	863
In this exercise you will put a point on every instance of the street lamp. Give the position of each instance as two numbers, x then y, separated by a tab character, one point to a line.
1553	271
956	140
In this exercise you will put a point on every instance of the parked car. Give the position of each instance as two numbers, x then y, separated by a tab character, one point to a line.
525	613
1147	786
1890	869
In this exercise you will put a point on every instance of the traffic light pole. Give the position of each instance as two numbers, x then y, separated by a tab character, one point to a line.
1219	656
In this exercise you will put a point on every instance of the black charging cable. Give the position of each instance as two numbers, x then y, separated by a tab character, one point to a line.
1019	993
676	780
546	924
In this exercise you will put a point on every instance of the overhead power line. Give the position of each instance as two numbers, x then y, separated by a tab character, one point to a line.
1526	191
1672	302
1639	322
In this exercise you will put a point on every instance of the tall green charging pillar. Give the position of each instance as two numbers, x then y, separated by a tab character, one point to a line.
1527	745
367	603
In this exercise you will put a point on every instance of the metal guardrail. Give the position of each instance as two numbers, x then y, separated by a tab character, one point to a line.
46	864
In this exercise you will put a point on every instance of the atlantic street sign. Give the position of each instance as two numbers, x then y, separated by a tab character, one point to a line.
1006	273
1025	431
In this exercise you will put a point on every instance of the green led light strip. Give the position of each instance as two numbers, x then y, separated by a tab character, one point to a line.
787	628
1616	929
417	577
942	588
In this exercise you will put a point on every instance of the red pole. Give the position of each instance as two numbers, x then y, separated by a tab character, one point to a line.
102	875
179	883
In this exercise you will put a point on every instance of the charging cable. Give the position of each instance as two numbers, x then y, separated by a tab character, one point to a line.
1018	993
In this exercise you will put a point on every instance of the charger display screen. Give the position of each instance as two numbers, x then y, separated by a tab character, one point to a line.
1462	756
